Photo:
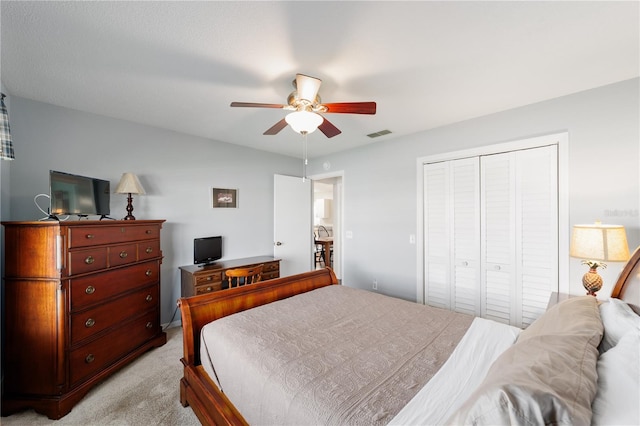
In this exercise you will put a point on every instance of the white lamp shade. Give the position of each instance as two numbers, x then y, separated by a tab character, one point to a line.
129	184
304	121
600	242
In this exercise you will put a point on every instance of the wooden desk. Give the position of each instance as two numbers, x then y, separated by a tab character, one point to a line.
196	279
326	243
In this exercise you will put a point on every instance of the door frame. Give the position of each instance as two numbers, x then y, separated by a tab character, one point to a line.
561	140
338	246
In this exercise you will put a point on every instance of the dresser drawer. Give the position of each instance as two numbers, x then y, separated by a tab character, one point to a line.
271	267
149	249
93	321
215	277
202	289
92	289
88	260
94	356
270	275
84	236
123	254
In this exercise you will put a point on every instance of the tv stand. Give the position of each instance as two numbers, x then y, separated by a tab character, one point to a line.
104	216
200	279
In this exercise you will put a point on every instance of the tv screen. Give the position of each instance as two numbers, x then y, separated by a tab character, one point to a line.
207	250
79	195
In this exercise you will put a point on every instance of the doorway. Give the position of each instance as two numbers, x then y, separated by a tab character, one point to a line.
327	220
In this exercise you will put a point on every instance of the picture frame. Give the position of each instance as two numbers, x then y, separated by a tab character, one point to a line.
224	198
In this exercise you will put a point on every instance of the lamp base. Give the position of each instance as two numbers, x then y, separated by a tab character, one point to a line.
129	216
592	281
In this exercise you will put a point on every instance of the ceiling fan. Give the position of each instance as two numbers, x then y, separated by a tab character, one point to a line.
305	104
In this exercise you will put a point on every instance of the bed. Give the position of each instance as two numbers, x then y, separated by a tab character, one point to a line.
305	350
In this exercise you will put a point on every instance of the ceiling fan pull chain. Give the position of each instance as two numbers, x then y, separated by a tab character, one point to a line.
304	155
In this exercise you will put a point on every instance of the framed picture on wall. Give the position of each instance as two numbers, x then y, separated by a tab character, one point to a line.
224	198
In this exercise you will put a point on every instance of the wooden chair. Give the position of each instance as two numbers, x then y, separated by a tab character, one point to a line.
244	276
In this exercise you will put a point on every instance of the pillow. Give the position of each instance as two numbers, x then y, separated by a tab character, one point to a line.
616	402
618	318
547	377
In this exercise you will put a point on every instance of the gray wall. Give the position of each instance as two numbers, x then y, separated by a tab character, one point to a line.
176	170
380	180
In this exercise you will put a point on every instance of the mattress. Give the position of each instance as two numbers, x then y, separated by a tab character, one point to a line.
335	355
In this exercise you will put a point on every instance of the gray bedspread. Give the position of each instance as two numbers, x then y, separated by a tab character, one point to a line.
335	355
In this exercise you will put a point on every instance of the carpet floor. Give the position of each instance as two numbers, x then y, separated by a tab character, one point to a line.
145	392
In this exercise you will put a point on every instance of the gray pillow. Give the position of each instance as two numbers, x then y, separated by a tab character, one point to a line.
547	377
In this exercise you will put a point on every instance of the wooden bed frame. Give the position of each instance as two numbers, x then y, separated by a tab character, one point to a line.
196	388
210	405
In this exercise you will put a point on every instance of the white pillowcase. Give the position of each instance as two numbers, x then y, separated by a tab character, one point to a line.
618	319
616	402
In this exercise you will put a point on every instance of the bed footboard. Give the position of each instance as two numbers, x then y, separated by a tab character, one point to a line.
196	388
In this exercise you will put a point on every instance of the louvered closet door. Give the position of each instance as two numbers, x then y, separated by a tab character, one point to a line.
452	257
519	234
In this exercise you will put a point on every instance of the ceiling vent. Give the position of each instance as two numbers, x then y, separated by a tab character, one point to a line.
380	133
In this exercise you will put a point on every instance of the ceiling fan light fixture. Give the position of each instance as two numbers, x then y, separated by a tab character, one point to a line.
304	122
307	87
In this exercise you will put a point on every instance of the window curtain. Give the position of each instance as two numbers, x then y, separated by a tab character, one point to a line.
6	145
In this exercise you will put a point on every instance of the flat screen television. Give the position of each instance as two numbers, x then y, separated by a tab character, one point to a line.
207	250
78	195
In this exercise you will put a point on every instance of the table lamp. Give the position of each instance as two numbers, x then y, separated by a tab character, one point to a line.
596	244
129	184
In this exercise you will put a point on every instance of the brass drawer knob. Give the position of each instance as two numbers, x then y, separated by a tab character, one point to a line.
209	278
90	289
90	236
209	288
148	272
148	231
123	254
149	324
90	323
149	298
149	250
89	260
89	358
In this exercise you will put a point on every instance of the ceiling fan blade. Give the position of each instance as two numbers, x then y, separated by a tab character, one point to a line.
329	129
307	87
351	108
256	105
273	130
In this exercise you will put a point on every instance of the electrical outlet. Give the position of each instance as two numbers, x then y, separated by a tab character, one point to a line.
374	285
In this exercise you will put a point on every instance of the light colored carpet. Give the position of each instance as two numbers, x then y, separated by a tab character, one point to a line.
145	392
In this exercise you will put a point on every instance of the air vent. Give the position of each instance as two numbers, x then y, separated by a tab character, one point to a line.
380	133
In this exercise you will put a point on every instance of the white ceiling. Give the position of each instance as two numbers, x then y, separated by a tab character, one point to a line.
178	65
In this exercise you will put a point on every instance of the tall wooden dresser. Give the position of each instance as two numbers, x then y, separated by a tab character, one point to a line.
82	299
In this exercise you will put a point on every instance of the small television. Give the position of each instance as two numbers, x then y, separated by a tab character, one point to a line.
207	250
78	195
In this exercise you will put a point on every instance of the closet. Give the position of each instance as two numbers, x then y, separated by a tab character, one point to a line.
491	234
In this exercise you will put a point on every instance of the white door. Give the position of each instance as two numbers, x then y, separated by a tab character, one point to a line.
452	228
520	234
292	230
